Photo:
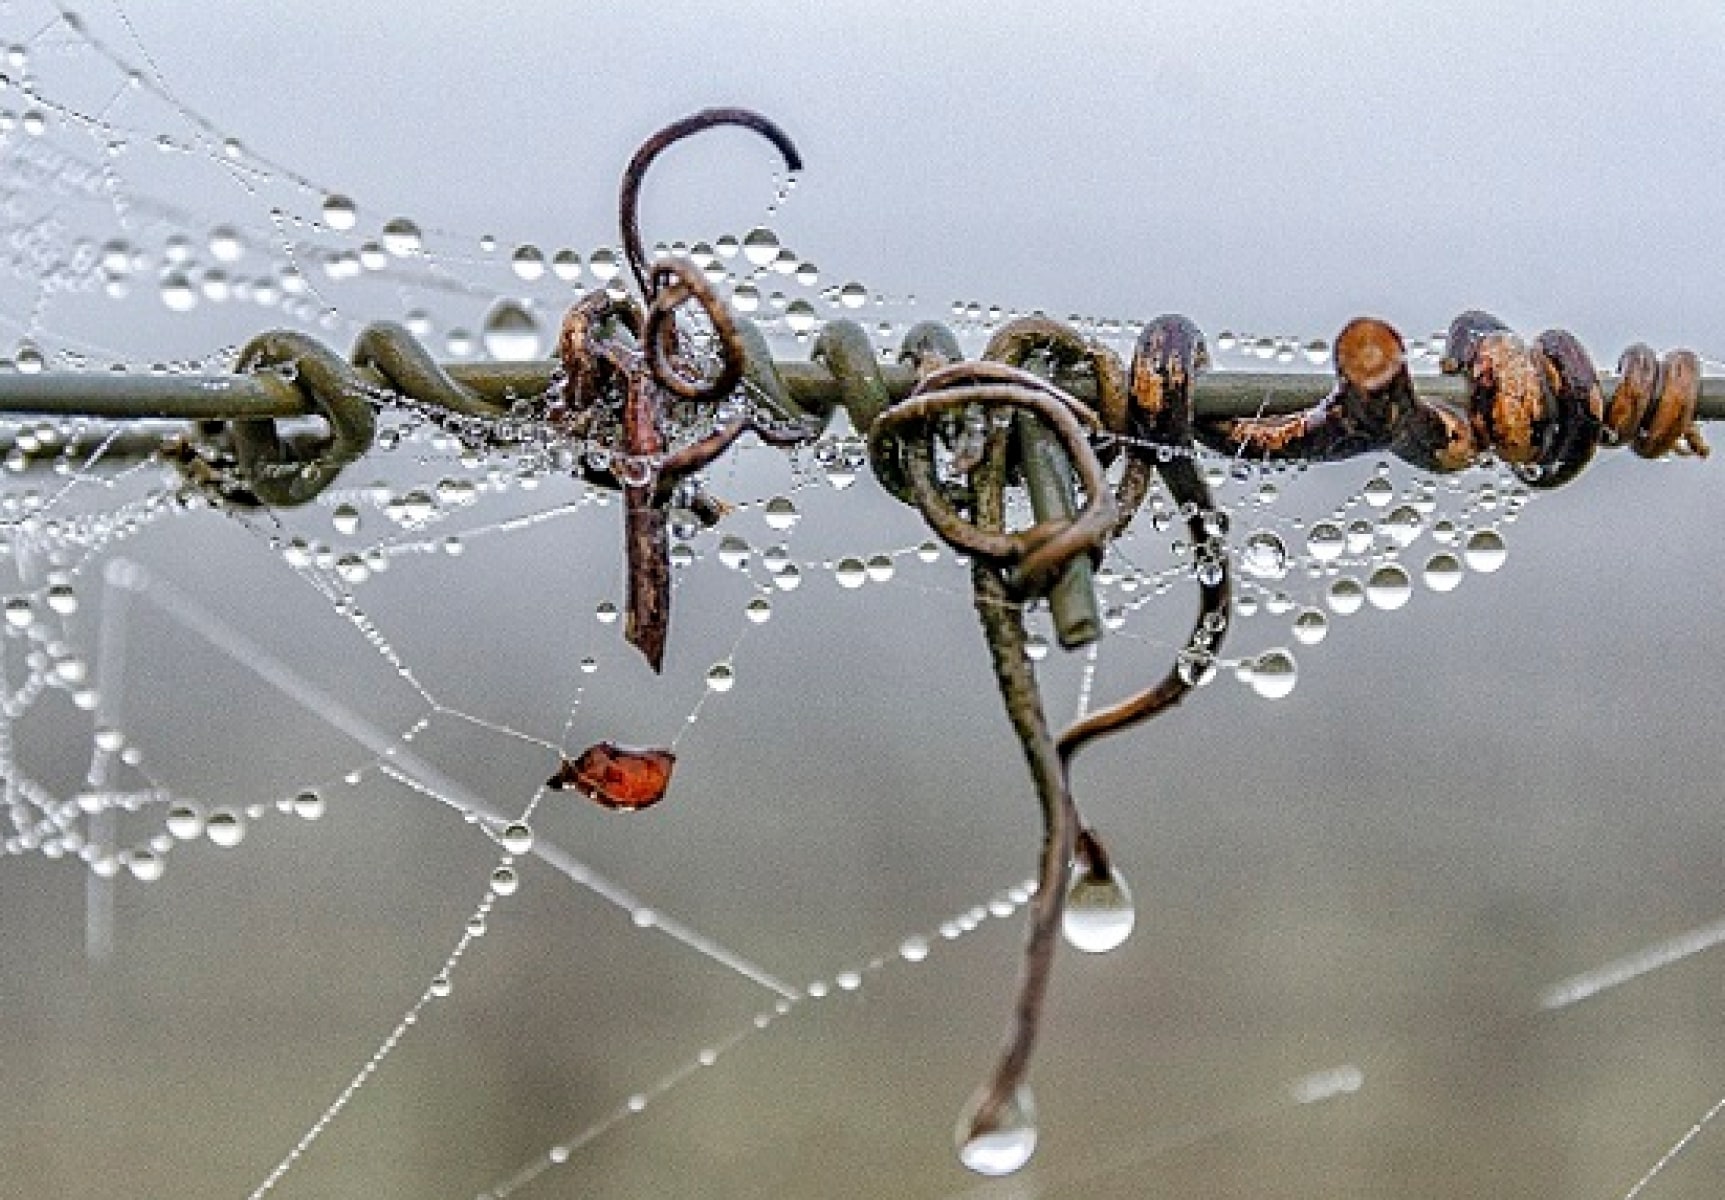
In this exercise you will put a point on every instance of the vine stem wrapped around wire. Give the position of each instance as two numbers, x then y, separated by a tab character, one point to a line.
1538	407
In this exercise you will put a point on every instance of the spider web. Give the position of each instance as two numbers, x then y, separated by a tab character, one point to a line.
280	773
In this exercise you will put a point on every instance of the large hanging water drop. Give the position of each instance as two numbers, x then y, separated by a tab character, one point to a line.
1003	1142
1099	913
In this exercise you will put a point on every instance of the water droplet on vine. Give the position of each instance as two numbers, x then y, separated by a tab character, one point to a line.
1001	1142
1099	914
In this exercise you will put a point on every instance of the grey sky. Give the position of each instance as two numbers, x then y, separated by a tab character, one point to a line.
1280	167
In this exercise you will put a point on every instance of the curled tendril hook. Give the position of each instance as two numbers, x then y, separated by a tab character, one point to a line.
630	366
666	286
967	509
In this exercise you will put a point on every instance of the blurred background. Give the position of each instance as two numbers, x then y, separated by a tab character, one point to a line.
1462	804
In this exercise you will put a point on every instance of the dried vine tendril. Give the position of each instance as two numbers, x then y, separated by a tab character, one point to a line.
966	506
631	376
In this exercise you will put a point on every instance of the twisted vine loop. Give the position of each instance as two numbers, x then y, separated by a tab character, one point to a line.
634	368
983	421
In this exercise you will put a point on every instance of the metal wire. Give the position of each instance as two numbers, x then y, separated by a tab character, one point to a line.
141	395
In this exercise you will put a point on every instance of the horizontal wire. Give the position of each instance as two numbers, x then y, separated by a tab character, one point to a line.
126	395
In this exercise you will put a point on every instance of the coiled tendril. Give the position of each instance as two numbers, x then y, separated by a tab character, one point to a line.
956	471
634	370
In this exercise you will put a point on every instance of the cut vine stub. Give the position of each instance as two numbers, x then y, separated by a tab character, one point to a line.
625	778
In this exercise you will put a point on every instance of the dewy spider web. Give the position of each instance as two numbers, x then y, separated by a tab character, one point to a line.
161	696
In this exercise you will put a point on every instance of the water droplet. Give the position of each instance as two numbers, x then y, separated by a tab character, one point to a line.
145	865
511	333
721	677
339	212
1402	524
1311	627
760	246
1196	667
758	610
19	614
178	293
185	822
1443	572
1099	914
352	569
1378	491
780	513
308	805
1485	551
1388	587
604	264
1002	1142
225	244
800	316
850	573
504	881
1274	674
516	838
566	265
401	237
853	295
733	552
1264	556
345	519
225	828
606	612
528	263
1346	596
913	949
1326	541
62	599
